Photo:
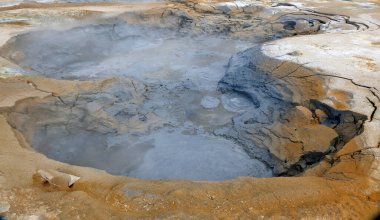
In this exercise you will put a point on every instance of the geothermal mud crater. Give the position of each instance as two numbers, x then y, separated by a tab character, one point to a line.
189	102
157	120
173	105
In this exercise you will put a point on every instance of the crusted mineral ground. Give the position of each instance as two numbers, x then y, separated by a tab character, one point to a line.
195	109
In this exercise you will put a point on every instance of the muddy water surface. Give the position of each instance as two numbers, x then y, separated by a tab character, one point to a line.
180	71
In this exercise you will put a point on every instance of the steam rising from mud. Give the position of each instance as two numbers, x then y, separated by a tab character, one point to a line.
147	54
180	71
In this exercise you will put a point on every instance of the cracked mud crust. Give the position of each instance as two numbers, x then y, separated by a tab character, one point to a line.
300	97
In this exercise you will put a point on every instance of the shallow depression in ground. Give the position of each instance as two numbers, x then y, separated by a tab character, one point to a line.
188	66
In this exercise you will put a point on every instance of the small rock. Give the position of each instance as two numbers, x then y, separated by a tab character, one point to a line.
57	178
45	175
73	179
210	102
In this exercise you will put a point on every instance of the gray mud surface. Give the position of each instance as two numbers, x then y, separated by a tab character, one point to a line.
157	123
146	54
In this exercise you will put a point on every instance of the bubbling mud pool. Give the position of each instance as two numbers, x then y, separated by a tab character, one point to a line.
180	72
